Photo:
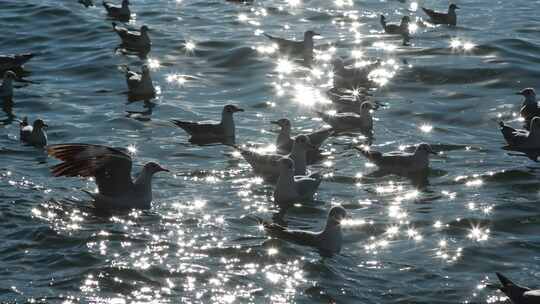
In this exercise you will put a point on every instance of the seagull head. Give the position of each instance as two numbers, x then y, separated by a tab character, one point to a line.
405	20
230	109
144	29
303	142
337	214
286	165
284	123
9	75
366	107
528	93
152	168
145	69
39	124
425	148
310	34
125	3
453	7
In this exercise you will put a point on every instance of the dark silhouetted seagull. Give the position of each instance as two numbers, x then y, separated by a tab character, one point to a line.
328	241
442	18
121	13
396	29
14	62
268	164
345	122
284	142
139	84
522	139
291	189
33	134
518	294
223	132
111	168
400	162
302	48
134	40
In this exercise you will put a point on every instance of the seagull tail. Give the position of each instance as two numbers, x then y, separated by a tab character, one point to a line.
268	36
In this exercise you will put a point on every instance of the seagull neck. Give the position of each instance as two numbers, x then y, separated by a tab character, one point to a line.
298	154
530	100
285	181
7	84
284	136
227	122
332	226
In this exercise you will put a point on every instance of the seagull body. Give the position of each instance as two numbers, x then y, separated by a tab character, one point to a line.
396	29
328	241
449	18
343	122
529	108
522	139
210	133
6	89
268	164
14	62
111	168
134	40
518	294
139	84
290	188
400	162
303	48
351	78
34	135
118	12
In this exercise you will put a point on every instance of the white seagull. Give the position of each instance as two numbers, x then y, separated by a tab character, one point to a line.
134	40
291	189
400	162
522	139
139	84
111	168
34	135
6	89
268	164
121	13
518	294
328	241
210	133
344	122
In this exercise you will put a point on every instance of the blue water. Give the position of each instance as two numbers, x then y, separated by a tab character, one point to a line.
200	242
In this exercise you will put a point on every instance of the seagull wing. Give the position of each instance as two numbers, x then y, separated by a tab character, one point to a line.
111	167
318	137
305	238
201	130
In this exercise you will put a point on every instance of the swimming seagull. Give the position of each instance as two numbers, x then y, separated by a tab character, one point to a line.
268	164
351	78
522	139
304	47
518	294
34	135
14	62
139	84
442	18
401	29
223	132
328	241
291	189
284	142
344	122
111	168
529	108
6	89
134	40
121	13
400	162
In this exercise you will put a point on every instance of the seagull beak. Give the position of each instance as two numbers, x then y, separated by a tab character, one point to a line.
163	169
316	34
519	93
239	110
432	152
275	122
45	125
457	7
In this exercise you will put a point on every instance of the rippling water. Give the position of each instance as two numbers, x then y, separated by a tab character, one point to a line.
200	243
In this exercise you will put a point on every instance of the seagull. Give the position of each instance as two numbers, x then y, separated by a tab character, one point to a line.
343	122
401	29
518	294
290	188
268	164
400	162
14	62
284	142
328	241
6	89
442	18
118	12
522	139
134	40
34	135
529	108
304	47
351	78
111	168
210	133
139	84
